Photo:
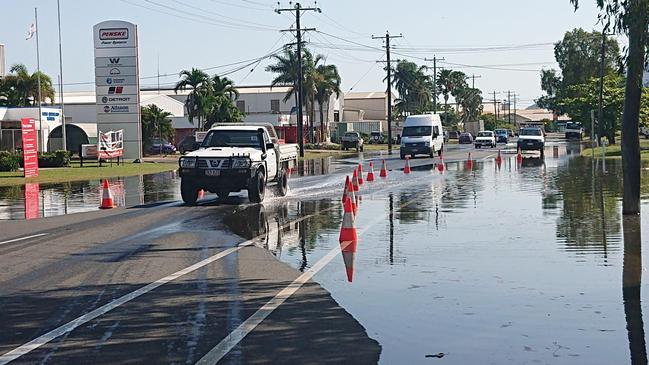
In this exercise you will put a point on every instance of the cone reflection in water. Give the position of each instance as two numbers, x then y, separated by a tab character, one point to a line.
360	174
406	169
106	197
384	171
469	162
370	174
348	239
355	183
499	158
440	166
519	155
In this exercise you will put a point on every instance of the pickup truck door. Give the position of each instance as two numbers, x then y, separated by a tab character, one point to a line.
271	159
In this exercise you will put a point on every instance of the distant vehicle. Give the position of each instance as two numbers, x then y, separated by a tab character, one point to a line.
485	139
234	158
645	132
188	144
376	138
351	140
531	139
454	134
511	133
163	147
502	135
422	134
574	131
465	138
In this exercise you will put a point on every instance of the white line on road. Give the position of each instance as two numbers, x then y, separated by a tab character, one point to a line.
70	326
23	238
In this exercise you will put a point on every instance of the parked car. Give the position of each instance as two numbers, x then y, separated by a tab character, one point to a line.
502	135
574	131
376	138
188	144
164	147
465	138
454	134
351	140
422	134
485	139
531	139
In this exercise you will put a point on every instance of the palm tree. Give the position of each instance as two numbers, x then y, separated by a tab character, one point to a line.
198	99
445	86
471	101
327	83
309	66
155	121
224	86
415	88
20	88
220	102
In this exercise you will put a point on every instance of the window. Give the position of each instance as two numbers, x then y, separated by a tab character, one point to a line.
274	106
241	105
416	131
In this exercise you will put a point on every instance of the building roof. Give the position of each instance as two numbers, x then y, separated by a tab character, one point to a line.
258	89
366	95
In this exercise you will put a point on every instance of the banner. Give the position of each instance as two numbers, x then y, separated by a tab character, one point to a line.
110	144
30	150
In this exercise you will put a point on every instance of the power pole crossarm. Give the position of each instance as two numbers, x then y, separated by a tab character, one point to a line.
389	80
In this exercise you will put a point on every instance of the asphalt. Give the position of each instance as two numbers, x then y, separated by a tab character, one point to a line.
82	262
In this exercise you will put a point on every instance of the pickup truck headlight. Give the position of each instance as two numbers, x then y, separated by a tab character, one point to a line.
240	163
188	163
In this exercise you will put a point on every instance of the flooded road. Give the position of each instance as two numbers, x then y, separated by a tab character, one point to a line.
514	262
528	263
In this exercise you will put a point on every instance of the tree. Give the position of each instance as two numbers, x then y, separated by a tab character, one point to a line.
578	55
471	101
327	83
450	83
630	17
155	124
20	88
220	106
198	99
415	88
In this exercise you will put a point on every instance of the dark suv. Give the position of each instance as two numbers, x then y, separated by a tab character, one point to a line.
188	144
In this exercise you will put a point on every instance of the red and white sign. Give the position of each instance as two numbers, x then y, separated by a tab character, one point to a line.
111	144
30	149
114	33
31	201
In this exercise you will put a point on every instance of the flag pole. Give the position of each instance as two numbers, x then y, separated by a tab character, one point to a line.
65	145
38	76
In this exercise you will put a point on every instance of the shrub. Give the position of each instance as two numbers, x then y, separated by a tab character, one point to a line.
58	158
9	161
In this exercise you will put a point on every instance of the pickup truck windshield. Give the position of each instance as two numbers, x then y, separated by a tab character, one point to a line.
531	132
484	134
416	131
573	126
231	138
501	131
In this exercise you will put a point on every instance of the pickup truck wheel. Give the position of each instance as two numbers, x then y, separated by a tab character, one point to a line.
281	189
257	187
189	192
361	148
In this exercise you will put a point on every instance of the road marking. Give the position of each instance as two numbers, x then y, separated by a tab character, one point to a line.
230	341
70	326
23	238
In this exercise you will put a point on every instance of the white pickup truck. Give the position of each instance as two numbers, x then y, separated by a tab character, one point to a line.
237	157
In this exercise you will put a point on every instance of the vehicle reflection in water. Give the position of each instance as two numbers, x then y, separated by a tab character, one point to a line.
631	284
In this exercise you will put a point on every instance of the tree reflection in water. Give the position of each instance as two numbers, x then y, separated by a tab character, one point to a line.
631	282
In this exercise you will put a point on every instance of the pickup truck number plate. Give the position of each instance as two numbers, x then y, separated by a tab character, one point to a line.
212	172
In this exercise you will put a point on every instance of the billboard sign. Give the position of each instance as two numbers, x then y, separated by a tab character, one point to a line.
117	85
30	149
110	144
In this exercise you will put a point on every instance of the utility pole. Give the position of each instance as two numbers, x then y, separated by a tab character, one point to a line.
495	106
509	106
435	59
38	69
389	79
474	76
600	107
300	79
514	107
65	143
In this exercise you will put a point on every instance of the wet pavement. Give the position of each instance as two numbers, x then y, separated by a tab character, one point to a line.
492	263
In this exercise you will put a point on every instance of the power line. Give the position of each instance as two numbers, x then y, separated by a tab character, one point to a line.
387	38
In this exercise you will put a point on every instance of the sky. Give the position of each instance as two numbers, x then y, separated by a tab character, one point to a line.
505	43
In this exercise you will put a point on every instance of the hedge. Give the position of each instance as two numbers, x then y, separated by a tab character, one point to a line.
9	161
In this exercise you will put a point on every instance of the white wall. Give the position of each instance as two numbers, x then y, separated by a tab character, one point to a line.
375	108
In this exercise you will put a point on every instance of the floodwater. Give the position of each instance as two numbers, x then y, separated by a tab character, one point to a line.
82	196
526	263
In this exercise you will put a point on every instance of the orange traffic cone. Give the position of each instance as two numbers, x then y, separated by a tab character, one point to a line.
201	194
346	189
519	155
384	171
350	194
370	174
469	162
360	174
406	170
106	197
355	182
348	239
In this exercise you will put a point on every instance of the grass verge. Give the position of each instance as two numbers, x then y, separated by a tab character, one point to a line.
615	151
76	173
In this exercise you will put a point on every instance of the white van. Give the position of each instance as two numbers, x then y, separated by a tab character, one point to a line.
422	134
